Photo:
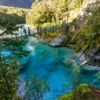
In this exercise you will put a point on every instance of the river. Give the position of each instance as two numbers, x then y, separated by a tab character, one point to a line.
57	67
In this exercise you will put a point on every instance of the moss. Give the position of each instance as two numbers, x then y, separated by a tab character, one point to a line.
80	93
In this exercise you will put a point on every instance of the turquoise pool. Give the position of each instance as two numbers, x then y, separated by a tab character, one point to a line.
57	67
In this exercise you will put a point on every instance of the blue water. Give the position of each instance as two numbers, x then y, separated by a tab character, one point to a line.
55	66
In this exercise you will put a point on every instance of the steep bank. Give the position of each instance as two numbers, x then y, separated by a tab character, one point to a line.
86	33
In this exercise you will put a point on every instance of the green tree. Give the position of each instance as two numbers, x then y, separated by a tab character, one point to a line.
47	12
9	66
36	89
8	79
40	13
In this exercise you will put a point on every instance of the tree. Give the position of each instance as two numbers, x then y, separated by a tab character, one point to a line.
36	89
8	79
47	11
8	27
9	66
40	13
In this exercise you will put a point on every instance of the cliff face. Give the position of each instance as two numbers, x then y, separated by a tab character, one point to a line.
88	25
17	3
87	9
86	32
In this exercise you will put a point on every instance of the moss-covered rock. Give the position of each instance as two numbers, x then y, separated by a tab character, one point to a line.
83	92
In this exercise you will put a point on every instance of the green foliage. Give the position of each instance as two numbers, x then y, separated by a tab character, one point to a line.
77	3
39	14
12	14
8	78
9	68
8	27
92	27
9	65
51	11
80	93
47	12
88	34
36	89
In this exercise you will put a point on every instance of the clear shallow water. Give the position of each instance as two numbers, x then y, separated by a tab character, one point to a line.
55	66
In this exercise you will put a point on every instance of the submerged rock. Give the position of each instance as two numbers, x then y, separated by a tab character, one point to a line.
69	61
91	68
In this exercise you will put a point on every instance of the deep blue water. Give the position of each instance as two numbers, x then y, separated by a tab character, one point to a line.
57	67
